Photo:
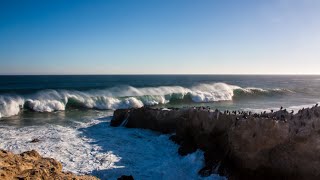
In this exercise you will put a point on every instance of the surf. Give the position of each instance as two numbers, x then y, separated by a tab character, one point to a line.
123	97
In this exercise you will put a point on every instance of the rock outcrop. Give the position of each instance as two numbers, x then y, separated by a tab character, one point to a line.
30	165
124	177
240	145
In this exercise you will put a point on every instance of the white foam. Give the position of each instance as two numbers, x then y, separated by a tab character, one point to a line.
105	151
10	106
121	97
112	103
46	105
62	143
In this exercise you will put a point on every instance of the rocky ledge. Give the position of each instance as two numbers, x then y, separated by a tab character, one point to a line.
239	145
30	165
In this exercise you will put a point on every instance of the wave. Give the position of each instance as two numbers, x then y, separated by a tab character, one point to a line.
10	106
127	97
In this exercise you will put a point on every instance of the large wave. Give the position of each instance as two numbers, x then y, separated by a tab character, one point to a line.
126	97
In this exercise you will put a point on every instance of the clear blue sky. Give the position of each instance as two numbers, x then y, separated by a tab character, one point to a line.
159	37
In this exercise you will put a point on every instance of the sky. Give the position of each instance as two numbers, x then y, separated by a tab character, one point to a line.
160	37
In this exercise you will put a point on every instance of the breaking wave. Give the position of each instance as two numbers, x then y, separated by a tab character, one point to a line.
127	97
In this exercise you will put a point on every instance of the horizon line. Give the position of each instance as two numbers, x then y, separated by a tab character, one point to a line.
134	74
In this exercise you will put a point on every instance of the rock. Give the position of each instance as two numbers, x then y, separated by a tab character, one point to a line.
30	165
119	116
277	145
155	119
124	177
35	140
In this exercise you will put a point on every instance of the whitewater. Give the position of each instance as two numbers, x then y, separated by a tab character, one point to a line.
93	147
125	97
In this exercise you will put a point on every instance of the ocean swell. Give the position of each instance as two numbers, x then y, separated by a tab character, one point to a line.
127	97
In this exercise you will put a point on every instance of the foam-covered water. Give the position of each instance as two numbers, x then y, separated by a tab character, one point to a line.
96	148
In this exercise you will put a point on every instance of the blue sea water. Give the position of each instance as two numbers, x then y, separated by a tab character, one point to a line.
71	115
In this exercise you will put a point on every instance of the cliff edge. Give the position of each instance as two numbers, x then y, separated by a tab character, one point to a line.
239	145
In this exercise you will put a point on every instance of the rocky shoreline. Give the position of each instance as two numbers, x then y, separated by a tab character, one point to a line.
30	165
239	145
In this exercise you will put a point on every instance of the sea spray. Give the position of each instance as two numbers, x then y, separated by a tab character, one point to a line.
10	105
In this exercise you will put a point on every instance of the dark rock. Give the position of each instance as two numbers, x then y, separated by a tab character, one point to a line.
119	116
186	148
155	119
35	140
175	139
124	177
276	145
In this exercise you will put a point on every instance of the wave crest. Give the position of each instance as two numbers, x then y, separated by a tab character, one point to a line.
10	106
127	97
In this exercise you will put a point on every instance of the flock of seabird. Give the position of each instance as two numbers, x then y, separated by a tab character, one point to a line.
245	114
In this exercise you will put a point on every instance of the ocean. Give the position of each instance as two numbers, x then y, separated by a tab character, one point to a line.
70	115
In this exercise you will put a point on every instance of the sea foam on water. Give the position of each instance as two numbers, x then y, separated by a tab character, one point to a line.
95	147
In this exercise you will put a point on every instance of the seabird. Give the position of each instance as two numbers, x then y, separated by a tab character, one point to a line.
281	108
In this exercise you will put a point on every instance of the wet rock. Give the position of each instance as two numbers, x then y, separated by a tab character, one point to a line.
119	116
35	140
124	177
154	119
275	145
